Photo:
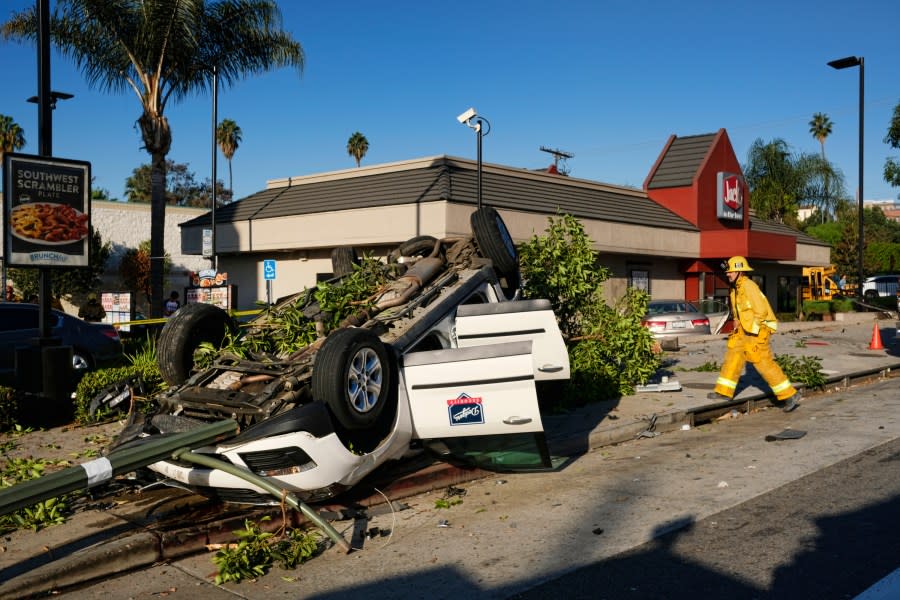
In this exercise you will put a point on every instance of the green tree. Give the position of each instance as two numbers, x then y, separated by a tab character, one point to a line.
357	146
228	136
182	188
780	182
163	51
134	269
12	136
66	283
609	349
892	165
820	128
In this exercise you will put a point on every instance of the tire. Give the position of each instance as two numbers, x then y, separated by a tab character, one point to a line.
495	243
182	335
81	361
421	245
354	375
871	295
343	258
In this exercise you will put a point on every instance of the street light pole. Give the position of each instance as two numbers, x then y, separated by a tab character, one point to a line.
478	162
845	63
215	126
466	119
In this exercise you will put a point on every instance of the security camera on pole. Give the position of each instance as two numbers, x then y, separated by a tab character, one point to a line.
466	119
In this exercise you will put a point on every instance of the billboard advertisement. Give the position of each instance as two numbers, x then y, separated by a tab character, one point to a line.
46	212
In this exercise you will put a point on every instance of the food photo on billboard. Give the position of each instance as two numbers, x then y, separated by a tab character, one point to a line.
47	215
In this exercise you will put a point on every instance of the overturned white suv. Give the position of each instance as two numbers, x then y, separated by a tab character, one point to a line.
445	358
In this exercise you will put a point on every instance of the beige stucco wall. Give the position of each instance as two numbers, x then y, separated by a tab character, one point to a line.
308	240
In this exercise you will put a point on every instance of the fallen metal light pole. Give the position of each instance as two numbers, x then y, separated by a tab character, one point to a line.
205	460
101	470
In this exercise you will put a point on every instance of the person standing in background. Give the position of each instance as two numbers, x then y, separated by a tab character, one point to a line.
171	305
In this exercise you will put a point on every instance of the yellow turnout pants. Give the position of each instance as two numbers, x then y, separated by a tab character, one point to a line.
743	348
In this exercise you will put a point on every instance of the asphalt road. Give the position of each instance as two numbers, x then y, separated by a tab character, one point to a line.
715	511
830	534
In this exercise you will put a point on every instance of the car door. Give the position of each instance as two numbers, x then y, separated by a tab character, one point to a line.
521	320
18	327
477	405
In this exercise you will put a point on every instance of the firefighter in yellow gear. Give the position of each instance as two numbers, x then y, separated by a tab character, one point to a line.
754	324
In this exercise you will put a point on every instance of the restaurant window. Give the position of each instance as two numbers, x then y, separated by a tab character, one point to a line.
639	280
788	288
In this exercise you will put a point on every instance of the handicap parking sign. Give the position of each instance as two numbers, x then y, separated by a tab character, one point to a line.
269	269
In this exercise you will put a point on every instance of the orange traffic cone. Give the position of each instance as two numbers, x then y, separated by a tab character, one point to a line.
876	344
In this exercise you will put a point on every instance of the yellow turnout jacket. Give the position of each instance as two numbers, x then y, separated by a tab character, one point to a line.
750	307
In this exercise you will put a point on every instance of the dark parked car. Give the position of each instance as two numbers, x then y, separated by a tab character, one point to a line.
94	345
670	318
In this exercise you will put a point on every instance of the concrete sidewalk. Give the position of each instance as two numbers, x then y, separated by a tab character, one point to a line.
132	531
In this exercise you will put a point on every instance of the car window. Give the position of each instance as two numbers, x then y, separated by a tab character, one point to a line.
513	452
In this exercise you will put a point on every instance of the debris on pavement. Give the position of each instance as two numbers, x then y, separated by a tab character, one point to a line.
665	385
787	434
649	432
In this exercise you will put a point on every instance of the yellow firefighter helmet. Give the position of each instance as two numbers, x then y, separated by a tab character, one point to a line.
738	263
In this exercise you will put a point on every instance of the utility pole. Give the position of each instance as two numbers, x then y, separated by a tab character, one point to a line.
557	156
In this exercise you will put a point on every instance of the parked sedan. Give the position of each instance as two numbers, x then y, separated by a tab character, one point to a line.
671	318
93	345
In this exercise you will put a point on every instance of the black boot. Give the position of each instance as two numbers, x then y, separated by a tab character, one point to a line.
793	402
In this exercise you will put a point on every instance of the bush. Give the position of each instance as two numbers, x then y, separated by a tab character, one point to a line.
842	305
814	309
609	349
142	363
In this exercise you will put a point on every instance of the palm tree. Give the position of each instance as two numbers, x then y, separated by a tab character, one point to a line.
228	136
162	51
820	128
357	146
12	136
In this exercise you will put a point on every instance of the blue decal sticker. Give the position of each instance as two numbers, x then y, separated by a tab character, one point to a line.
465	410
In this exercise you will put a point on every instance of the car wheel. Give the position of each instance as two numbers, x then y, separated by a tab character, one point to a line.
870	295
354	376
342	260
183	333
495	243
81	361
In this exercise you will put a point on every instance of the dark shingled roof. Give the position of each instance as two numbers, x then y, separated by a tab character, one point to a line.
682	161
757	224
452	180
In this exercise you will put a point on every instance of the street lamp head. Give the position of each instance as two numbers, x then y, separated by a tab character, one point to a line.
54	96
846	63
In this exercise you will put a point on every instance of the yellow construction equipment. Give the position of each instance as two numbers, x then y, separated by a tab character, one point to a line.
821	283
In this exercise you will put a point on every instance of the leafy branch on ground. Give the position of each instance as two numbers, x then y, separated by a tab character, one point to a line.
314	313
806	369
43	514
257	551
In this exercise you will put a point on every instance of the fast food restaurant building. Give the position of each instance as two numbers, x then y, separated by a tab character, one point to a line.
693	211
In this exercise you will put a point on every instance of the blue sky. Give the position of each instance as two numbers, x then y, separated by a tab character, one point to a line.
606	80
